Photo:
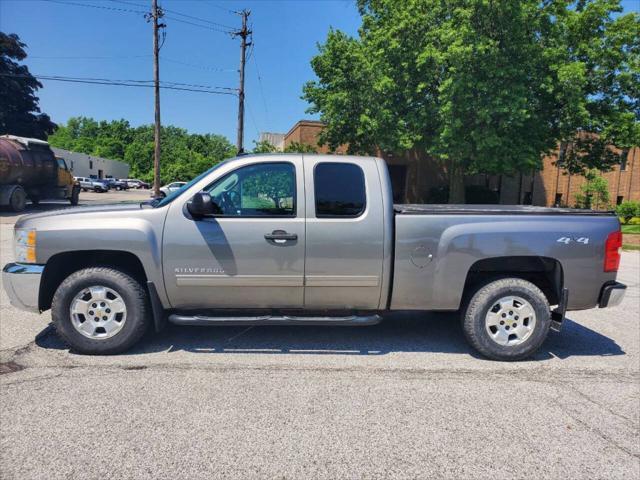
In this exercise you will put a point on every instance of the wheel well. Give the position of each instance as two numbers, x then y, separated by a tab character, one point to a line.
62	265
544	272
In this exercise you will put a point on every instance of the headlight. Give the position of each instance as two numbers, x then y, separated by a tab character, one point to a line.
25	245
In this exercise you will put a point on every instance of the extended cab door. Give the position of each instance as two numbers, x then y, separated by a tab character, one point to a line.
345	233
251	254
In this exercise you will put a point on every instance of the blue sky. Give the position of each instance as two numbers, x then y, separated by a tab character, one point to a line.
118	45
72	40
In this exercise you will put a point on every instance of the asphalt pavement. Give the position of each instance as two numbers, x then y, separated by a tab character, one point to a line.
403	399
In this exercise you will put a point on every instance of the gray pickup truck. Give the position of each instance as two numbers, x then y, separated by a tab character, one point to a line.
310	239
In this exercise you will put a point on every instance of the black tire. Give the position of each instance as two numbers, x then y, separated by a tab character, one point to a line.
84	189
75	196
485	298
132	293
18	199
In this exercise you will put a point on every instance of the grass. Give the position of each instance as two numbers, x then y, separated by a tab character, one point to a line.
632	229
629	248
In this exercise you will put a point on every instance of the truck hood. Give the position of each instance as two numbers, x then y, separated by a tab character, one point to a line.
118	209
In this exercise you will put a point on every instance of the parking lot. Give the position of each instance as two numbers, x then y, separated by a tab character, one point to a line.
403	399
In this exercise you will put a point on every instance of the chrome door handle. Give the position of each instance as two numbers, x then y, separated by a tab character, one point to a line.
280	235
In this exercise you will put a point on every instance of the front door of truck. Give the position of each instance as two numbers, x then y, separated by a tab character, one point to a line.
251	253
345	234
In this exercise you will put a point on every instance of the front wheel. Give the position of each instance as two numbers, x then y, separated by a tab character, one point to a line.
507	319
100	311
75	196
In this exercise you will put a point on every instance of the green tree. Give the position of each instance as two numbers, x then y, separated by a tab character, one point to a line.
263	147
297	147
485	86
184	155
594	58
19	110
628	209
594	192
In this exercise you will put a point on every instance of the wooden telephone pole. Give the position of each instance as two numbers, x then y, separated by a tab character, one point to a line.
244	33
155	16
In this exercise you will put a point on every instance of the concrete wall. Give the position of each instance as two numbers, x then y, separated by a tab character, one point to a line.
84	165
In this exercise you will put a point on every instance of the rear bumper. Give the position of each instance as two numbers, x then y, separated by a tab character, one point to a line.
611	294
22	283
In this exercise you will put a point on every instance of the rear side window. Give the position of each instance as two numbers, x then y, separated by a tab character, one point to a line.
339	190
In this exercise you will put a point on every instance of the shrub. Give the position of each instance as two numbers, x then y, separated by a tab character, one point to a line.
628	209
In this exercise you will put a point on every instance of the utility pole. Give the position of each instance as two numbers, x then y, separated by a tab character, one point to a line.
243	34
155	16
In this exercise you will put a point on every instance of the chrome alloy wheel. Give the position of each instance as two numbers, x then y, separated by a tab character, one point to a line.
98	312
510	321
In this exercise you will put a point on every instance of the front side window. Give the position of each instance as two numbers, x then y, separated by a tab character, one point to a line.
264	189
339	190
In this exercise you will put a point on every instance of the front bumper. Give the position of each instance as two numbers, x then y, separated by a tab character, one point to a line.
612	294
22	283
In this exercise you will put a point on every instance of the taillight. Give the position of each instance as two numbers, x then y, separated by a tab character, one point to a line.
612	251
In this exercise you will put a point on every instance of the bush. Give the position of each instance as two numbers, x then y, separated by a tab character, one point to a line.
634	221
627	210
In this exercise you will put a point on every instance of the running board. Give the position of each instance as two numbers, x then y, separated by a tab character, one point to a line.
202	320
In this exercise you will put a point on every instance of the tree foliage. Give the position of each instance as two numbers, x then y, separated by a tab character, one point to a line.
485	86
294	147
19	111
183	155
594	193
628	209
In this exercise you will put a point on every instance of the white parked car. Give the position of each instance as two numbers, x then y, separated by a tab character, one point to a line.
170	188
135	183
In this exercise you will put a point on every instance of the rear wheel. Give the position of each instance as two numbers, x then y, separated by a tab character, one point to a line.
507	319
100	311
18	199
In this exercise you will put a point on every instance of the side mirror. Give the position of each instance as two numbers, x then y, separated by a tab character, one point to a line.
201	205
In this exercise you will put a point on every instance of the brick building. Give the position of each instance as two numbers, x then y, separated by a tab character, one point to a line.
417	178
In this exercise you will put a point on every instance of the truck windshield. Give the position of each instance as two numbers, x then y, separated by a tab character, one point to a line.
161	202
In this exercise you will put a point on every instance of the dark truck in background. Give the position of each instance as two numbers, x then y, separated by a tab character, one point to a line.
310	239
30	170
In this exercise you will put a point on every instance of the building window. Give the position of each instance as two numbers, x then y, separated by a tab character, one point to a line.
623	162
90	164
339	190
558	200
619	199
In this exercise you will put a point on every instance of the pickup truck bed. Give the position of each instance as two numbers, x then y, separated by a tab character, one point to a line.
437	209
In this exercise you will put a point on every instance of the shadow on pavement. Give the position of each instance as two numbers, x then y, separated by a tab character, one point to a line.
401	332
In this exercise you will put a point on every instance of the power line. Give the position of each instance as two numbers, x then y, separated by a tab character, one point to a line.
102	7
95	57
130	57
201	67
235	12
131	83
206	27
264	100
202	20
